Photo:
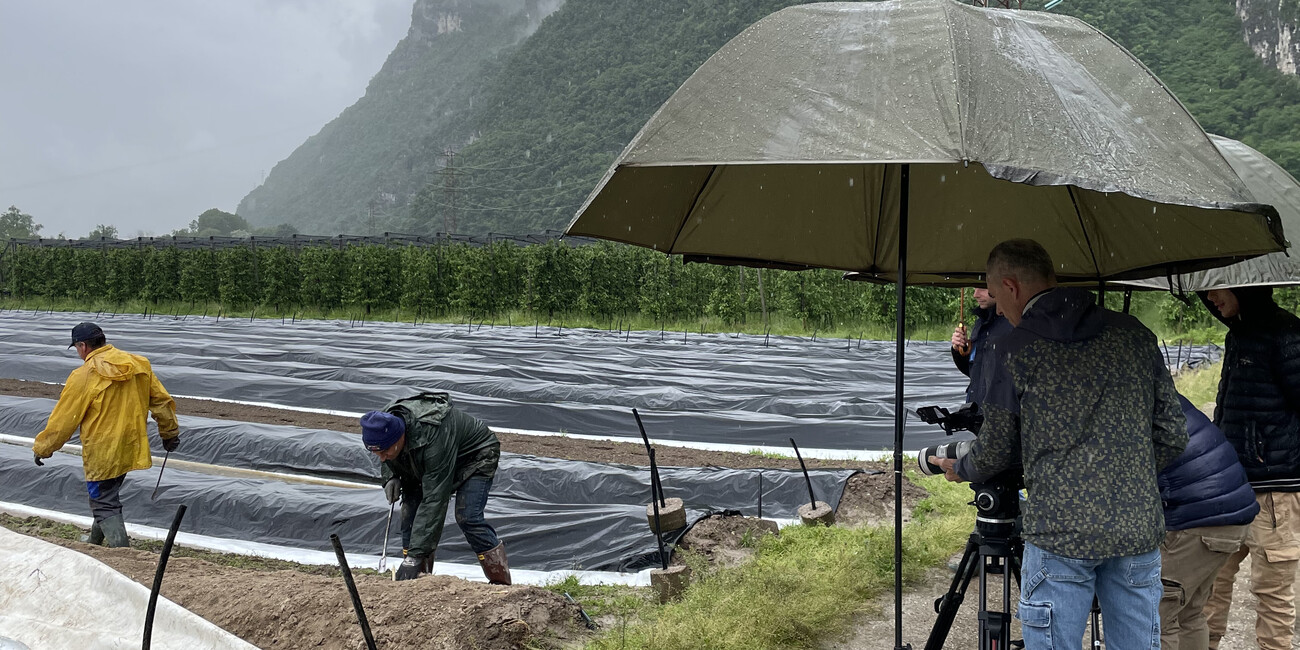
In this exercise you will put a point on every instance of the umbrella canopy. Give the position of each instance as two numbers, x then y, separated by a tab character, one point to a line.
786	148
1269	183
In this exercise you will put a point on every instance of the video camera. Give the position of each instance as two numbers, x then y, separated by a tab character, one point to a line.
997	500
967	417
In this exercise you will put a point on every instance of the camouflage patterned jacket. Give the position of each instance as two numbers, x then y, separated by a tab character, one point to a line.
1081	397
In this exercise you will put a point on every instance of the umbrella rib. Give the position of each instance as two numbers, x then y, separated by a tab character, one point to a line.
1078	213
694	204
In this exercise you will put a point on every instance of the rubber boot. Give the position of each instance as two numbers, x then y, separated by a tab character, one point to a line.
115	532
495	565
96	535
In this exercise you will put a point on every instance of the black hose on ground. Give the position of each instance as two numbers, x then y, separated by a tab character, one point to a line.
158	576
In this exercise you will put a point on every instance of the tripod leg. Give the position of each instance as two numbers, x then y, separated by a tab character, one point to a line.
947	606
1096	624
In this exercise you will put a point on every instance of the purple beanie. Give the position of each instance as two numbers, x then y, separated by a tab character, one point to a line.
381	430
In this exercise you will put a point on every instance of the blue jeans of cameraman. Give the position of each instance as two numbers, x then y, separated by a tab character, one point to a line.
471	499
1056	598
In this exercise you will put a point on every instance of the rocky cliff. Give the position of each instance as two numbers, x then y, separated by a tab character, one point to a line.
1270	27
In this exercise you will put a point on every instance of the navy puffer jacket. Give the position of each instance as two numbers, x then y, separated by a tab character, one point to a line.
1206	485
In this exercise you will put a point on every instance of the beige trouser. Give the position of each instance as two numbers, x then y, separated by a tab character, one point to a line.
1274	548
1189	561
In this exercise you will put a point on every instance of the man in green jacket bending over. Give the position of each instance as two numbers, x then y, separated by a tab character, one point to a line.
430	449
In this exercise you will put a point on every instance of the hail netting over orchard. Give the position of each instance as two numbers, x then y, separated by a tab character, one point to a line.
484	278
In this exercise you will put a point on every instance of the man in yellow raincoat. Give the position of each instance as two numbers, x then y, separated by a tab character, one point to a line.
109	398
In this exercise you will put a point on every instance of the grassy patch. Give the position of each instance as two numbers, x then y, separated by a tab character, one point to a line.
604	601
802	587
1200	385
766	454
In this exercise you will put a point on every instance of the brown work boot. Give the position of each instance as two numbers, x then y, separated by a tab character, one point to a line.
495	565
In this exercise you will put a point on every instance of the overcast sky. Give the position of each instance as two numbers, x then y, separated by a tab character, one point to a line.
144	114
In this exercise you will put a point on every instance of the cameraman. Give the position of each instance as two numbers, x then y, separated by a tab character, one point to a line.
1081	397
990	328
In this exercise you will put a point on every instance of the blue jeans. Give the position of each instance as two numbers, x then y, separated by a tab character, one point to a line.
1056	597
471	499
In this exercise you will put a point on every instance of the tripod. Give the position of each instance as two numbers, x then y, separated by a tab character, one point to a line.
994	548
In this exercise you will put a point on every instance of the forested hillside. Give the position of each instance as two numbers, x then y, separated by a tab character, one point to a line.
536	125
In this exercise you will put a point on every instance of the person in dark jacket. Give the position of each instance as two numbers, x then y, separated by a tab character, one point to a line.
1208	509
1258	409
429	450
966	350
1081	397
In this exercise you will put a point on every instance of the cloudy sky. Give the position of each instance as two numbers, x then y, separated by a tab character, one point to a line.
142	114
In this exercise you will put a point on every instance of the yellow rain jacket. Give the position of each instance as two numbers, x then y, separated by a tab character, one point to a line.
109	397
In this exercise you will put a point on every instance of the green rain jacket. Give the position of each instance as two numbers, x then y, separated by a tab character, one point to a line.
444	447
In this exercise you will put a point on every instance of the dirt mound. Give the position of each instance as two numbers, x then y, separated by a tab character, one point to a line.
549	446
290	609
725	540
869	499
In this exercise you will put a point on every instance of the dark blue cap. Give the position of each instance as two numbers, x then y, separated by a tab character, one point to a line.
85	332
381	430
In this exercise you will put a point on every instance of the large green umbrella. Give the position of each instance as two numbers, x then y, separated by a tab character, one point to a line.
1271	184
817	134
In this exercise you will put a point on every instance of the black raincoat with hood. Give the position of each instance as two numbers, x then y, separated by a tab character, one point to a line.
1081	397
989	327
1258	405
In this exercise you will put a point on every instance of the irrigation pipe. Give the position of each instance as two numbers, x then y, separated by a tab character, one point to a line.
824	454
158	576
659	538
214	470
812	498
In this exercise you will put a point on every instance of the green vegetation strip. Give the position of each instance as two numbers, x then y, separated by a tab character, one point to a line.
802	588
1201	385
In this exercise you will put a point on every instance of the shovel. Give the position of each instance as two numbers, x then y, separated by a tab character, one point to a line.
383	559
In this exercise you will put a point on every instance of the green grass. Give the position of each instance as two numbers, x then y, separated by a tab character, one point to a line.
766	454
803	587
603	601
1200	385
847	334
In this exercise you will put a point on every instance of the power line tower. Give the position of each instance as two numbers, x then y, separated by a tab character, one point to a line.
450	189
1005	4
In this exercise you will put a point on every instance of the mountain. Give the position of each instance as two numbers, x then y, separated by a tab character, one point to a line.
381	150
535	122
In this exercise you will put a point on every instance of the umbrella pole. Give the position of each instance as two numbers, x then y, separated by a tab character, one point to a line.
899	414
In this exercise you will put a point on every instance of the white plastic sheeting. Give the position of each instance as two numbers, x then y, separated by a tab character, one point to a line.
53	597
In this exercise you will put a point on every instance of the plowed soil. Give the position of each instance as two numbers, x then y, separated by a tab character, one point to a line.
291	609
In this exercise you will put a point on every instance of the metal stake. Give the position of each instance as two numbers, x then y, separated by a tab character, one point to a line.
352	591
160	473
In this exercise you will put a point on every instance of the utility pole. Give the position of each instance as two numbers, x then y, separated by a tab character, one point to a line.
450	189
